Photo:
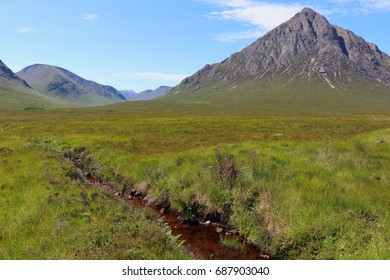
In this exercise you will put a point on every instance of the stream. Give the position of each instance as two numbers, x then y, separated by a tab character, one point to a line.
202	239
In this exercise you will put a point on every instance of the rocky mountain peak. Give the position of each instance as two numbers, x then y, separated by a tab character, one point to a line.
305	48
311	23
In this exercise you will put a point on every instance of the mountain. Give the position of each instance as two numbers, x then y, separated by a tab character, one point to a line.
129	94
146	94
152	94
61	84
9	79
15	93
305	59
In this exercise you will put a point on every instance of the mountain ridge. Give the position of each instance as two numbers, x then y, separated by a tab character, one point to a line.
15	93
148	94
9	79
63	84
304	48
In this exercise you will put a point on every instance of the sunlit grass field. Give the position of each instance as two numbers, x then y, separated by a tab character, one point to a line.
298	186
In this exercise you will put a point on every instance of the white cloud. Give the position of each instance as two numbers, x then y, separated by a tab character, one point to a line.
235	36
260	16
90	17
385	5
160	76
25	29
362	6
154	76
229	3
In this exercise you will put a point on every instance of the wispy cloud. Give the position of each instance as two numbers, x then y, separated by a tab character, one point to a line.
154	76
235	36
262	16
90	17
160	76
25	29
363	6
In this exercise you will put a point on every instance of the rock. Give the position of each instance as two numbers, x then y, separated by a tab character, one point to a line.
162	211
265	256
232	232
207	223
219	229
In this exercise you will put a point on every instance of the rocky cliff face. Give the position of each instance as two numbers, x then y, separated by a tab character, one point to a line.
305	48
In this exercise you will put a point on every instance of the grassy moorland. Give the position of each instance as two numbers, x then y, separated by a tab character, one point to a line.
251	98
23	98
301	186
47	214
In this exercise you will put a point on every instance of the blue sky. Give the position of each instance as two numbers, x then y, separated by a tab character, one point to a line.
141	44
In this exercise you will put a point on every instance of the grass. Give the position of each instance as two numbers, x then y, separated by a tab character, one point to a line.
299	186
232	242
23	98
47	214
254	98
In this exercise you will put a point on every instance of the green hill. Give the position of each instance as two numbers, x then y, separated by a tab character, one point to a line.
61	84
16	94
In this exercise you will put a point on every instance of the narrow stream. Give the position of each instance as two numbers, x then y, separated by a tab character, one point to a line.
202	239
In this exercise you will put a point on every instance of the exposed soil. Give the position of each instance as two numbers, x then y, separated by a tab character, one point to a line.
203	239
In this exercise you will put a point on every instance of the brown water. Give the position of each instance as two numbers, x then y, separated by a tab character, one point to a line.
202	239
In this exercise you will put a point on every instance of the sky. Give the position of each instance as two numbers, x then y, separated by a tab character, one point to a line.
142	44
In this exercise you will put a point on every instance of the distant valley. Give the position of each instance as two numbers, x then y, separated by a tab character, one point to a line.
47	86
146	94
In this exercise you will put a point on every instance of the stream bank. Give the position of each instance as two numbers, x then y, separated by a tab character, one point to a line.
204	239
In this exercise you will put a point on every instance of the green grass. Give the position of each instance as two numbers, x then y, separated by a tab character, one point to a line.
229	98
300	186
20	99
232	242
12	99
252	98
48	214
